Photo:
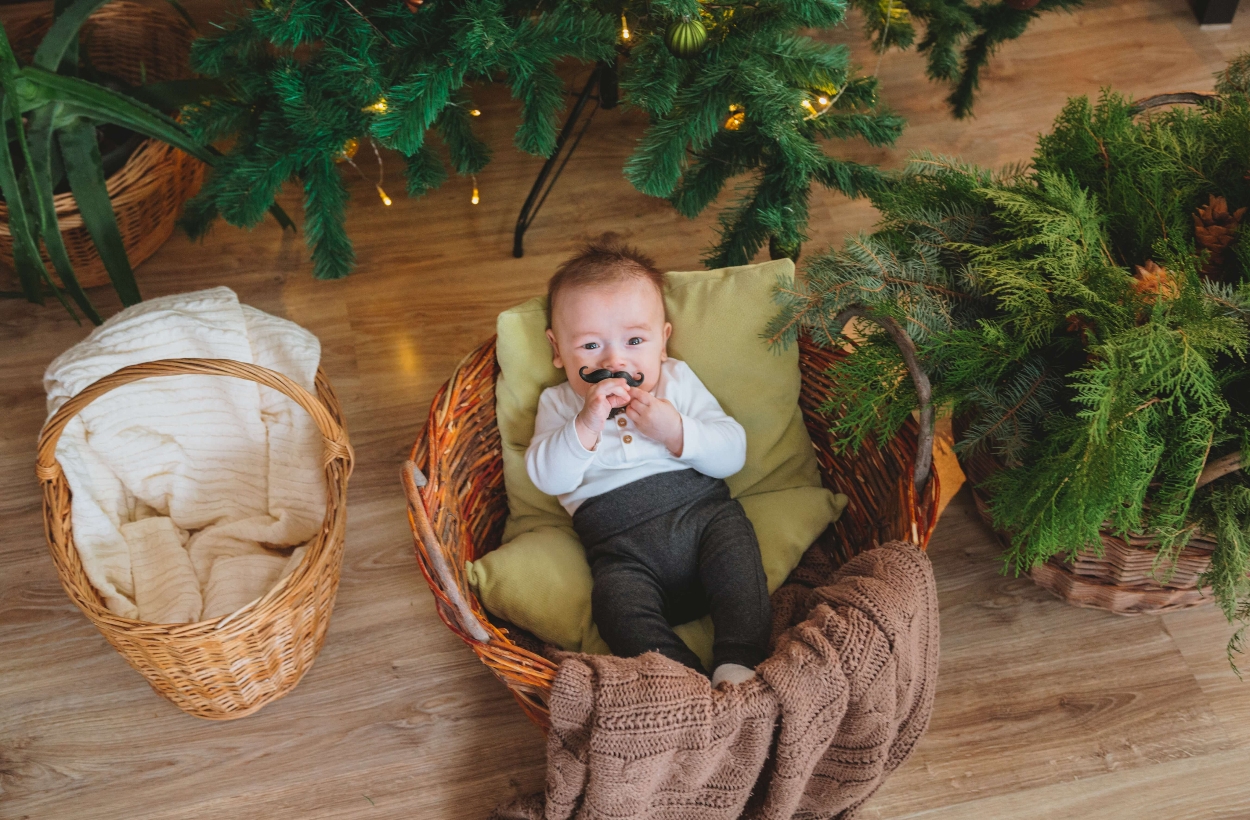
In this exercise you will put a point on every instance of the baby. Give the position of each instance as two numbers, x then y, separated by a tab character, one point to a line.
665	542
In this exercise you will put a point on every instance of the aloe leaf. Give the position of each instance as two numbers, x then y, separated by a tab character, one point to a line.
89	100
83	166
22	227
39	176
30	269
64	33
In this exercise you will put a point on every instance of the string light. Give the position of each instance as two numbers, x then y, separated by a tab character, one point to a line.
378	107
475	199
624	27
823	103
348	155
475	113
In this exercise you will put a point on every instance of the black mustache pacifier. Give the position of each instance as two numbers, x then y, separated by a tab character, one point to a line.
596	376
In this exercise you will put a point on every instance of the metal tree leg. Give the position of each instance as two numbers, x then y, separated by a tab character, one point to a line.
604	78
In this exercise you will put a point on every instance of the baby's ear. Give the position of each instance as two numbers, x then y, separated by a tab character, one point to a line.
555	350
668	331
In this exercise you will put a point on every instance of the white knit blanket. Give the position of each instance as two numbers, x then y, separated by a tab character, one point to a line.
189	492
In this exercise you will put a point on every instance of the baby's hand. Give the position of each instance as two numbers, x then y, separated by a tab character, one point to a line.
657	419
602	397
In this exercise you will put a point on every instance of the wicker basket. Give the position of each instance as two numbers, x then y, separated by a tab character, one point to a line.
230	666
1123	579
134	43
459	514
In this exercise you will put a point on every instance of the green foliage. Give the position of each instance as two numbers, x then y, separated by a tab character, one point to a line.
960	36
51	115
302	77
1061	315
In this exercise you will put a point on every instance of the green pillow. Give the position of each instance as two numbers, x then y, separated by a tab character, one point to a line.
539	579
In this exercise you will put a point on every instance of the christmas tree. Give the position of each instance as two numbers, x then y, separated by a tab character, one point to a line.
959	36
1087	320
731	87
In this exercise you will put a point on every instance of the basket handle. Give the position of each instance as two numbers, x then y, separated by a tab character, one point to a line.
924	390
332	433
413	479
1173	98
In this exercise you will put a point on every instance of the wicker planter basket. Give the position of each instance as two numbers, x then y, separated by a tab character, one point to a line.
231	666
1123	579
459	514
131	42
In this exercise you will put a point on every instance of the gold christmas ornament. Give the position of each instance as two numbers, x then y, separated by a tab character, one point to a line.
737	116
1154	282
893	12
1215	229
349	150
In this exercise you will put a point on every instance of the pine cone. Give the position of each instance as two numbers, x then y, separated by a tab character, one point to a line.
1079	326
1153	282
1214	228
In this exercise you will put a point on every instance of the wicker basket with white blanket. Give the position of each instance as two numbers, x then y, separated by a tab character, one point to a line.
197	516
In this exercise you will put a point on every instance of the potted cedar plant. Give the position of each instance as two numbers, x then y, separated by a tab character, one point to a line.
94	170
1086	319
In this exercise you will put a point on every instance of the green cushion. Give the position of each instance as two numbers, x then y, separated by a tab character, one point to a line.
539	578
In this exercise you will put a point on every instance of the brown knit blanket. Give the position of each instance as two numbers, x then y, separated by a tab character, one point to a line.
839	705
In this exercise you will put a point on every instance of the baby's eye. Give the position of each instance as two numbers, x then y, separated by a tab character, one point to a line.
591	345
637	340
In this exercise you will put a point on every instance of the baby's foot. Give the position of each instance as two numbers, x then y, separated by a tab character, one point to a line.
732	673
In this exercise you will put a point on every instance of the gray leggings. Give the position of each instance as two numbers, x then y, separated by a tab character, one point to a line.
667	549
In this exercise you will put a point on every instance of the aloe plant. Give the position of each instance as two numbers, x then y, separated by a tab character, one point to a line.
50	115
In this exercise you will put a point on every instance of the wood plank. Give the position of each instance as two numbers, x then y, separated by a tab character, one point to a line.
1042	710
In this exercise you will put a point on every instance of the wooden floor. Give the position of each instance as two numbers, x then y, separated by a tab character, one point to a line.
1043	711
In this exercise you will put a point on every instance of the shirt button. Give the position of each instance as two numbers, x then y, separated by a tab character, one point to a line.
627	439
621	422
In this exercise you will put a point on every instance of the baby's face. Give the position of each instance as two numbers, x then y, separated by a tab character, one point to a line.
618	326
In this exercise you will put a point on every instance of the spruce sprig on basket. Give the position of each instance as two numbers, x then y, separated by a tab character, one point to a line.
1087	320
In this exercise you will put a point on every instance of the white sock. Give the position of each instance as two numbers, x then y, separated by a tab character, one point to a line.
732	673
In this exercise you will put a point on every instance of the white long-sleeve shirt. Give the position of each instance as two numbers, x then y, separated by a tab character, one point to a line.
558	464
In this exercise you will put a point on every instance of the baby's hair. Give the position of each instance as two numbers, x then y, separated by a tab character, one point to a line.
602	261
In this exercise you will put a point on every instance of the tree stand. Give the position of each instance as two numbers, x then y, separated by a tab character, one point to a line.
604	78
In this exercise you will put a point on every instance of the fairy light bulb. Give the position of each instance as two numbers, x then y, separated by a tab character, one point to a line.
807	104
378	107
475	113
823	100
386	200
624	27
475	199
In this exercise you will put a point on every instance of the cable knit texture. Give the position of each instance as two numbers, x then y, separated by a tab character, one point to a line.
839	704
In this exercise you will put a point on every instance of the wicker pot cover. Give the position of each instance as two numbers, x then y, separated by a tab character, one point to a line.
131	42
1123	579
230	666
459	514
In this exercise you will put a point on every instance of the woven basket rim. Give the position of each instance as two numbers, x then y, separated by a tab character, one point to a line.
49	472
527	675
133	181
